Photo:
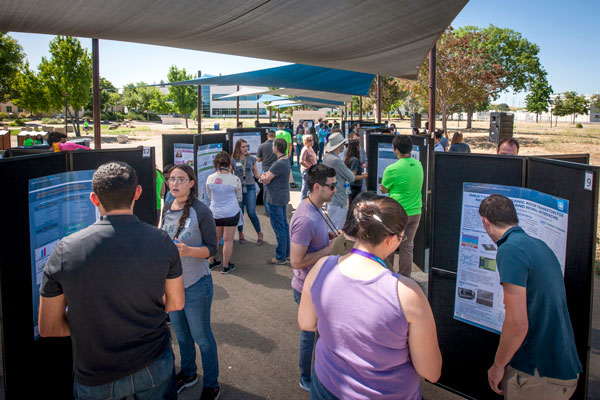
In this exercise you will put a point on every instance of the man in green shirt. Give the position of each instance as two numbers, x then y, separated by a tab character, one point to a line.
403	180
287	136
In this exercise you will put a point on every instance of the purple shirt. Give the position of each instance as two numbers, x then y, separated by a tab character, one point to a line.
307	228
362	351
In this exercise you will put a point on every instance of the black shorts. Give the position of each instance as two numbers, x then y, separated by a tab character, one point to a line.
229	221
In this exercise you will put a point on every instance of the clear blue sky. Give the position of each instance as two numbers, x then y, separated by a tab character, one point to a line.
567	32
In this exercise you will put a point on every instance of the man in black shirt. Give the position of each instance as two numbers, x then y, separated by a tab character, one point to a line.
118	277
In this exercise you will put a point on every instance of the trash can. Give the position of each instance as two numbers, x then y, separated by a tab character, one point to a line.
216	127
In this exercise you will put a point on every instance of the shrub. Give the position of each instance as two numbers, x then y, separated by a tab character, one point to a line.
17	122
578	125
51	121
141	116
3	116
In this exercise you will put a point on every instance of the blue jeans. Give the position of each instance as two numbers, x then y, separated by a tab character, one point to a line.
304	191
321	150
281	229
155	381
298	151
249	200
318	391
307	344
192	324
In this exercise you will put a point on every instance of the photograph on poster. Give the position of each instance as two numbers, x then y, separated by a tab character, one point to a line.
183	153
479	298
59	205
205	155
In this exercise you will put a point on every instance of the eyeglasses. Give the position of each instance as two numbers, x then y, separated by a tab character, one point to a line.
331	185
402	238
178	180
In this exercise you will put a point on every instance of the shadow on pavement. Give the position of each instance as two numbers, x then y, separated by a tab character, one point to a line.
241	336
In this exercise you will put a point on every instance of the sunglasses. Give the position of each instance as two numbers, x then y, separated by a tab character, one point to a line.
330	185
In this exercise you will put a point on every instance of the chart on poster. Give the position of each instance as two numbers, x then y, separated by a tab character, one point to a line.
59	205
479	297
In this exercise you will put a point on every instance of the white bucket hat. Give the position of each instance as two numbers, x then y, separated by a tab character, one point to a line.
335	140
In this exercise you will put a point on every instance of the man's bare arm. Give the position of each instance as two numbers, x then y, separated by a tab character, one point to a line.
52	320
174	294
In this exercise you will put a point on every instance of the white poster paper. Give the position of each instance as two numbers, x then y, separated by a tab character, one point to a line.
479	297
205	156
253	139
183	154
386	157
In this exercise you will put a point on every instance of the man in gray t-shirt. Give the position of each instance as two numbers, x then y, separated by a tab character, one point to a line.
266	156
278	196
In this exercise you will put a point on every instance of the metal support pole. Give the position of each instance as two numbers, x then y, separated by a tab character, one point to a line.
378	116
345	110
432	87
199	110
257	109
96	94
237	108
360	108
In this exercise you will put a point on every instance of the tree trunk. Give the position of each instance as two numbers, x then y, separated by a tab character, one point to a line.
148	115
444	119
186	122
469	119
76	126
536	117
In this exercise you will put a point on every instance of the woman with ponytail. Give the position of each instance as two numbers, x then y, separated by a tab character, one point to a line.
191	226
377	332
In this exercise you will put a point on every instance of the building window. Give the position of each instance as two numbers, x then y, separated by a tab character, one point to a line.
8	109
19	109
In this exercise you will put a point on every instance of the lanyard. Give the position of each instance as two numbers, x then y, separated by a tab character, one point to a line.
368	255
326	218
244	169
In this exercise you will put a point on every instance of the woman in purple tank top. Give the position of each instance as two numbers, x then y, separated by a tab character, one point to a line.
377	333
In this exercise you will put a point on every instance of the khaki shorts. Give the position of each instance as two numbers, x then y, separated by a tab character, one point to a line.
518	385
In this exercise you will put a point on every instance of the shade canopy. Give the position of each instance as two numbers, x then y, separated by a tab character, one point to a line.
249	90
388	37
297	76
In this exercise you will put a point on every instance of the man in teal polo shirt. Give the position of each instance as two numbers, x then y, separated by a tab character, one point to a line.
536	357
403	180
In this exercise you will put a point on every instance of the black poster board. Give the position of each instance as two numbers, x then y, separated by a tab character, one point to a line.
468	351
168	142
48	359
576	158
420	242
145	207
577	183
230	132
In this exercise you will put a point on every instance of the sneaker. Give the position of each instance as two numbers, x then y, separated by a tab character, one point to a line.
304	385
228	268
210	393
184	381
214	264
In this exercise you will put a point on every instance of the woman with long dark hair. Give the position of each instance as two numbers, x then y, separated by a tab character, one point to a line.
189	223
377	332
225	192
457	145
244	167
352	161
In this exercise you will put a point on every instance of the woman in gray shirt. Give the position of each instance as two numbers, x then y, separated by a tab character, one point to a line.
191	226
244	167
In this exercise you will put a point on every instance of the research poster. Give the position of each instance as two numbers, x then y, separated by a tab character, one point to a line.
253	139
479	297
183	154
59	205
386	157
205	156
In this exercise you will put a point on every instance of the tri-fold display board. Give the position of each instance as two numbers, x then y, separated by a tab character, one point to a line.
47	197
560	201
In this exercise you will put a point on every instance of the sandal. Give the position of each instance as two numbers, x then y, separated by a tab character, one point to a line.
259	242
277	262
242	240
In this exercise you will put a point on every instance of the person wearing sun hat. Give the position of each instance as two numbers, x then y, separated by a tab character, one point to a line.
337	208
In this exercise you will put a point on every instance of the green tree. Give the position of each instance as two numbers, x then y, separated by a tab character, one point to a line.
11	62
138	97
392	95
538	99
67	76
559	108
576	104
106	88
517	57
31	93
129	98
503	107
160	104
595	101
465	76
185	98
